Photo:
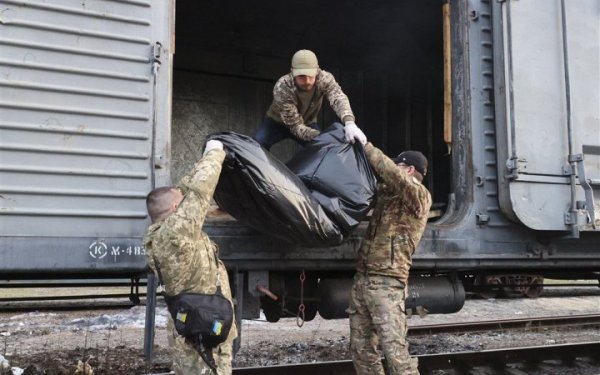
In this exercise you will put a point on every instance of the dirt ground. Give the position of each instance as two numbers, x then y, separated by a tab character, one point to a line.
111	341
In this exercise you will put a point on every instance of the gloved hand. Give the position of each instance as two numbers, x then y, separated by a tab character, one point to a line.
352	132
212	145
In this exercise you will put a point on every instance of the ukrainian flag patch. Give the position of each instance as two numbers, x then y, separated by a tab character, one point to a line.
182	316
217	326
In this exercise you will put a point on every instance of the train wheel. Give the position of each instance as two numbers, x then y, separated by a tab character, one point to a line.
488	294
488	286
534	290
512	291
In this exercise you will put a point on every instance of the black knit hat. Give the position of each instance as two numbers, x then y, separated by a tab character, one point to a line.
414	158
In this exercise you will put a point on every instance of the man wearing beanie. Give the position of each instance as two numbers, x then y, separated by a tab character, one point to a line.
297	101
383	262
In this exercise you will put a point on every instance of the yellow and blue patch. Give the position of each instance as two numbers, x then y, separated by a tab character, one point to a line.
182	316
217	326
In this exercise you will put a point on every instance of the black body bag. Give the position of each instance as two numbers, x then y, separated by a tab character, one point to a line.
338	175
316	200
261	192
201	318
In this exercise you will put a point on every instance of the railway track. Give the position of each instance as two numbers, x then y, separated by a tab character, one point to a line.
513	361
582	320
555	359
88	294
547	359
70	303
516	361
552	359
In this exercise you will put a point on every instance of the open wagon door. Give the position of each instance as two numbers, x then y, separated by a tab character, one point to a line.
548	92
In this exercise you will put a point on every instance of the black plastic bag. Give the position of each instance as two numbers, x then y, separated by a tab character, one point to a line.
320	207
339	176
261	192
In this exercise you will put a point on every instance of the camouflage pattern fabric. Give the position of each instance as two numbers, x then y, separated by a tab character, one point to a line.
289	109
188	259
377	310
398	220
377	316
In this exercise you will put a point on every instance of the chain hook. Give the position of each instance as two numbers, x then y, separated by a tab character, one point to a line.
300	318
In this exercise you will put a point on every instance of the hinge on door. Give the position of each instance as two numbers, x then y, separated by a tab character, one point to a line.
156	51
156	57
514	165
584	212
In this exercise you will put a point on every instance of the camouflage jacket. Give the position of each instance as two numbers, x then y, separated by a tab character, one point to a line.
186	257
398	220
289	108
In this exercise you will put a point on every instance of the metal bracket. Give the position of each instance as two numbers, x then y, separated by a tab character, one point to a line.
587	189
568	170
159	161
575	158
482	219
156	57
257	279
570	218
479	181
514	166
156	51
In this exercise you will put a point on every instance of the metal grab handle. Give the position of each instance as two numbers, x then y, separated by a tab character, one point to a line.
588	191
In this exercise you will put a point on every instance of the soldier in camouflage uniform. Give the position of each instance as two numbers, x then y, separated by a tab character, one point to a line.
185	258
297	100
377	310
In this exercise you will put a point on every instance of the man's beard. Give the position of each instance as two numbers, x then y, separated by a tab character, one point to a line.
305	87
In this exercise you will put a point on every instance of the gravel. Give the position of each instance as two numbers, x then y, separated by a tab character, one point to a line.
111	341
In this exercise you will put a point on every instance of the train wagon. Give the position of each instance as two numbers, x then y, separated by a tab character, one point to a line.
100	101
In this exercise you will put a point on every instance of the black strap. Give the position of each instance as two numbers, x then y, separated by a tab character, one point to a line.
205	353
157	265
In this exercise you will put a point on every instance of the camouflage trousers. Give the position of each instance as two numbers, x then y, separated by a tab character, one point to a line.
187	361
377	315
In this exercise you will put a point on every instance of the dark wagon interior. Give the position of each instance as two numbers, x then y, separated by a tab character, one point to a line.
386	55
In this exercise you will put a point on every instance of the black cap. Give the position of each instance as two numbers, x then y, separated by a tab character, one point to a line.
414	158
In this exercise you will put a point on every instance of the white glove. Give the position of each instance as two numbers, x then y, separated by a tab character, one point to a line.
352	132
212	145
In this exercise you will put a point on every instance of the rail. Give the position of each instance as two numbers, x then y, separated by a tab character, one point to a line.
463	361
507	324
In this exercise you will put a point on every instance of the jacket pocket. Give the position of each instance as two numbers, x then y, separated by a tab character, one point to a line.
401	244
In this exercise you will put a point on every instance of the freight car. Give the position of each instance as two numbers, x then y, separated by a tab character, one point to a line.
101	101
